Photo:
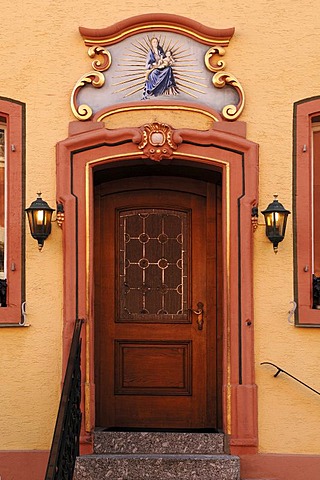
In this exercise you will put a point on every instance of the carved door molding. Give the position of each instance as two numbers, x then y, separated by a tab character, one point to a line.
91	146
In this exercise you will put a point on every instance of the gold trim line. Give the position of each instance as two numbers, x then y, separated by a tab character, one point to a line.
157	107
89	323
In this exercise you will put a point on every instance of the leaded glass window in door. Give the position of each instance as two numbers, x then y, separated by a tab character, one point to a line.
153	266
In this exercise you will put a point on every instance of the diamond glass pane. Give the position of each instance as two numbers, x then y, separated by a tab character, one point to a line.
153	266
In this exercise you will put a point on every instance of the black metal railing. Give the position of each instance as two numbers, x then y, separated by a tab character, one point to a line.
280	370
65	442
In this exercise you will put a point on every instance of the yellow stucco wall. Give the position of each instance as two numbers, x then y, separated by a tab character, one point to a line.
275	55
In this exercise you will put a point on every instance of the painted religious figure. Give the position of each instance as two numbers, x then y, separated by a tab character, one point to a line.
164	65
159	75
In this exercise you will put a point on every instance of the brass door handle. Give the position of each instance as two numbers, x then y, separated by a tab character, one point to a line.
199	313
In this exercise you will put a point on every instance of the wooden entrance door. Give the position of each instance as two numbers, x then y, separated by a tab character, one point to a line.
156	354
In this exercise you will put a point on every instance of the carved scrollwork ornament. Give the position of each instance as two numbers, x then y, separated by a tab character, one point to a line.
220	80
97	80
254	218
209	59
98	64
157	141
60	218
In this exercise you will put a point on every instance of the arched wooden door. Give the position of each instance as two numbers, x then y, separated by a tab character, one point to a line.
157	303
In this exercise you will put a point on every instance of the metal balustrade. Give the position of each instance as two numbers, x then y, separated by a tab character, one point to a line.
65	443
280	370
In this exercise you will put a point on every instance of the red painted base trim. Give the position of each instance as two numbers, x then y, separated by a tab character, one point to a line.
23	464
280	467
31	465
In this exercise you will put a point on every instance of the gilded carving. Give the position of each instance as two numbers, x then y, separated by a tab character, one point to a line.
254	218
84	112
98	64
209	59
157	141
220	80
60	215
158	57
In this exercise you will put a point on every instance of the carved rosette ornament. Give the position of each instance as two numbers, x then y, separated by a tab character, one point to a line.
157	141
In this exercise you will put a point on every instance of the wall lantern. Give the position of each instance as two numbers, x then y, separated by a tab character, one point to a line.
276	221
39	216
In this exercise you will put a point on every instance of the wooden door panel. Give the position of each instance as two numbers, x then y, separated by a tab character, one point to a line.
153	366
173	413
135	372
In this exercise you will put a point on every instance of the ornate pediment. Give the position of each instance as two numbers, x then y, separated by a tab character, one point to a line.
157	60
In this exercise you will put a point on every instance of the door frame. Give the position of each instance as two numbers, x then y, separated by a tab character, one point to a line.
89	146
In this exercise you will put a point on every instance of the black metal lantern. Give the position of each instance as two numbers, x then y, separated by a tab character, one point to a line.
276	221
39	216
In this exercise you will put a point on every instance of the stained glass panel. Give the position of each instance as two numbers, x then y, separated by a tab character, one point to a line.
153	265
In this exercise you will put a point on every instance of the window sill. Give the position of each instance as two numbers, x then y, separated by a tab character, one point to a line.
10	325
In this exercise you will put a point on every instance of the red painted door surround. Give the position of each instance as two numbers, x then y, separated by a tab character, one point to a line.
89	147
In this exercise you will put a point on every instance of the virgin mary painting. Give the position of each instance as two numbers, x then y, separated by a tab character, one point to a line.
159	76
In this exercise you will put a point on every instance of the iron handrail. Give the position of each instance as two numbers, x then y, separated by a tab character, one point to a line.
280	370
65	442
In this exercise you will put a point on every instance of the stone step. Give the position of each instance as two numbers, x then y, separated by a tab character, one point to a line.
157	467
159	442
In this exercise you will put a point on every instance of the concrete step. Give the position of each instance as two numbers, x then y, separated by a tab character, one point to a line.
157	467
159	442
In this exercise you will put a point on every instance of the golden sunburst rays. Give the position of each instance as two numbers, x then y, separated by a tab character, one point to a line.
133	70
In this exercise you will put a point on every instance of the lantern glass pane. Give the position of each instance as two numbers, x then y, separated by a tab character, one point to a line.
39	217
40	223
279	223
47	221
268	217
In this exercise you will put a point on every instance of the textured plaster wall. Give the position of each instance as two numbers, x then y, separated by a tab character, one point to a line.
275	55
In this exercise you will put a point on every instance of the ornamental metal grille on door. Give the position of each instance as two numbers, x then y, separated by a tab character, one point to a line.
153	265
